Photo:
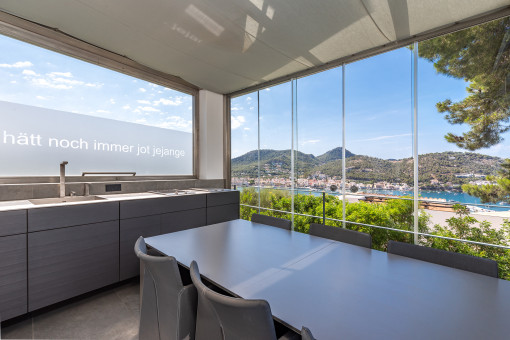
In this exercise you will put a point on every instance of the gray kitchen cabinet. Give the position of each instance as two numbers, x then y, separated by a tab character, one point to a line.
130	230
13	222
69	215
155	206
223	198
222	213
13	276
66	262
183	220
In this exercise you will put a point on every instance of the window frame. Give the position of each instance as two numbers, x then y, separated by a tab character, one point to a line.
59	42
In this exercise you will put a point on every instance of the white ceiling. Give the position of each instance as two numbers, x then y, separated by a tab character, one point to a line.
228	45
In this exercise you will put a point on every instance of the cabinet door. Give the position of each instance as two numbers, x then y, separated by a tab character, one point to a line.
130	230
70	215
13	276
222	198
222	213
183	220
67	262
160	205
13	222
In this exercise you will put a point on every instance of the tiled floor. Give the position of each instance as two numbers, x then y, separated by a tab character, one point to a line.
111	313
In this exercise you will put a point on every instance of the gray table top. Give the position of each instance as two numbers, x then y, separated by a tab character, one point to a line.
341	291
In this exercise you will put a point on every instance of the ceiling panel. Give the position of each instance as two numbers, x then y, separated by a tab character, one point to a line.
228	45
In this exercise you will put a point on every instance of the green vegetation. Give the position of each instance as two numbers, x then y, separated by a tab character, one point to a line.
497	191
395	214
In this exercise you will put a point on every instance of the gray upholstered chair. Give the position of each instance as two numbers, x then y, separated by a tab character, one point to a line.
168	309
229	318
272	221
342	235
466	262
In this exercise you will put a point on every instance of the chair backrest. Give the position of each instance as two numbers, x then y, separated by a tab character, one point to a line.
306	334
162	314
446	258
341	234
272	221
237	318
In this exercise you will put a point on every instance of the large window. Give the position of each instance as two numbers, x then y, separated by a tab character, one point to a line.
54	108
415	141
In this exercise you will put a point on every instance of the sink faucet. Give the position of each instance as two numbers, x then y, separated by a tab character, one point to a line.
63	178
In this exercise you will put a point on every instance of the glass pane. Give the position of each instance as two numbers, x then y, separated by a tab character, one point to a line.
275	106
318	160
54	108
464	101
379	139
244	146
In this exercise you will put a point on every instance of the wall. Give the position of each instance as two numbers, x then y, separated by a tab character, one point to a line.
210	135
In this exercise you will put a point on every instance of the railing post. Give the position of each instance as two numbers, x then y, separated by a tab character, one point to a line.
324	207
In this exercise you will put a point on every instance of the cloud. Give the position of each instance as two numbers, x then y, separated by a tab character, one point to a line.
176	122
248	98
29	73
41	97
141	89
148	109
126	107
103	111
382	137
237	121
45	83
178	101
146	102
112	101
98	85
60	74
247	129
235	109
18	64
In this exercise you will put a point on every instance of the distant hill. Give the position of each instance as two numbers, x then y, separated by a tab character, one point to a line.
333	155
274	162
443	166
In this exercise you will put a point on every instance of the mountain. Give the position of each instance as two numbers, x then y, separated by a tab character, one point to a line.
434	168
333	155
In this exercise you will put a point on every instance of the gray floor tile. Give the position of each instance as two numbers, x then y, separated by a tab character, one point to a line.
129	294
102	316
19	330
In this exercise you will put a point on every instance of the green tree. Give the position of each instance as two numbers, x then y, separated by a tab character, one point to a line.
481	56
463	226
497	191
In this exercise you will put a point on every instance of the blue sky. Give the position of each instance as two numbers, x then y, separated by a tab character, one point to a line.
378	111
34	76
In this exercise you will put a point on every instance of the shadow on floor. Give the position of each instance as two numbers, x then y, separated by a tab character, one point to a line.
108	313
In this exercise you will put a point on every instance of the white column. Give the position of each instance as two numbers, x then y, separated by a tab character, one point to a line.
210	163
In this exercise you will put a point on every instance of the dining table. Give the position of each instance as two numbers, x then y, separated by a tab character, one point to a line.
339	290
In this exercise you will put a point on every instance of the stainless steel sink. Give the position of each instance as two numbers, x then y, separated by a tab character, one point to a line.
66	199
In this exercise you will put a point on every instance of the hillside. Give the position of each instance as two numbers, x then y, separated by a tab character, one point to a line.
442	167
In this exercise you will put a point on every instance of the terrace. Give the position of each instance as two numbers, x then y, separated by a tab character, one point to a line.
171	120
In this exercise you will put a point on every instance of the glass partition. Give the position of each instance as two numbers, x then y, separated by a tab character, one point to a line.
379	139
275	122
245	155
425	134
318	160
